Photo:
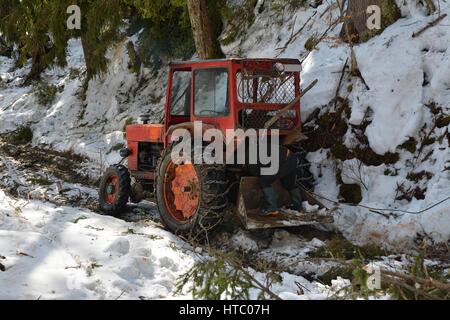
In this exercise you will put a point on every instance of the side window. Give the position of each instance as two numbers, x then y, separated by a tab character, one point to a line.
211	92
180	102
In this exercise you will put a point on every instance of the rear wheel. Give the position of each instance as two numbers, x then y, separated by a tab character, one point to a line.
191	198
114	189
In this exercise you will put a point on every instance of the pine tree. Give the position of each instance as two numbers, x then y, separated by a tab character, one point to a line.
165	26
28	26
38	29
100	28
172	24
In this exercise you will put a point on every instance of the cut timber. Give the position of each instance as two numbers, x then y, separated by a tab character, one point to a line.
250	200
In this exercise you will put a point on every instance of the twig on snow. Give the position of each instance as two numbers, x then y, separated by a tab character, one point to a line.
338	89
429	25
294	35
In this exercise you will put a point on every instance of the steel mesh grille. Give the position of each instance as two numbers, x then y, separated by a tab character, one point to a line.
270	89
256	118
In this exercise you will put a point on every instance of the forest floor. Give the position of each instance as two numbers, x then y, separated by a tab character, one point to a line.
54	243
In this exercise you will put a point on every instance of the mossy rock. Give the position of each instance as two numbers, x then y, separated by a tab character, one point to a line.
239	18
40	181
443	121
410	145
340	248
22	135
351	193
341	152
135	62
370	158
310	43
127	122
429	141
45	94
417	176
345	272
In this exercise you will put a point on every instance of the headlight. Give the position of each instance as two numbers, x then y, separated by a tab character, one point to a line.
125	152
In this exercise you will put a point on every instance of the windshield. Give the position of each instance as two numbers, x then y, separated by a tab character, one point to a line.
211	92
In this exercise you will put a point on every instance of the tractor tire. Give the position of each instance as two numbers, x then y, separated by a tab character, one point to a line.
191	199
304	178
114	189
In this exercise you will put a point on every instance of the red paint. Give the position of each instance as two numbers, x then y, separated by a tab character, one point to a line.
145	133
157	132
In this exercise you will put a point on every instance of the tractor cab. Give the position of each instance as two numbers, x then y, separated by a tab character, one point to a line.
233	93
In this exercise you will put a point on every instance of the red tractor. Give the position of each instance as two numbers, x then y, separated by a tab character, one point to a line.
222	94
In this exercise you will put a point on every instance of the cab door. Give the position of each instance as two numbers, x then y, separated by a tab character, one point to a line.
178	106
211	97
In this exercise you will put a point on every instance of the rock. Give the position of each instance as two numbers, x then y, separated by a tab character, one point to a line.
315	3
351	193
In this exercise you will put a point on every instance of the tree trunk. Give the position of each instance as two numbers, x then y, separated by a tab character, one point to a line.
356	19
39	62
88	52
36	69
201	29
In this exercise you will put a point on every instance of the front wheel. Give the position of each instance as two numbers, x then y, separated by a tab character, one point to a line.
191	198
114	189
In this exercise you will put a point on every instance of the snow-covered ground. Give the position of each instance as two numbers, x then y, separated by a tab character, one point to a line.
404	75
93	127
55	251
52	246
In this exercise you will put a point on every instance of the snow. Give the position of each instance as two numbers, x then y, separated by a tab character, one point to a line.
56	251
60	252
92	128
394	66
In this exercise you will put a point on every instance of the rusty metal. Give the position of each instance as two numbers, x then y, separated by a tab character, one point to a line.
185	187
250	200
257	118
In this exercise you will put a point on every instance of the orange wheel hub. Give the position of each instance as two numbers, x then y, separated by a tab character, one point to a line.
112	187
182	191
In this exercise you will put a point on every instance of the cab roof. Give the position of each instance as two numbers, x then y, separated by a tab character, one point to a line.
232	60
